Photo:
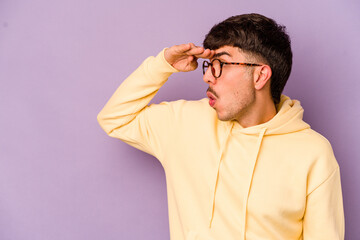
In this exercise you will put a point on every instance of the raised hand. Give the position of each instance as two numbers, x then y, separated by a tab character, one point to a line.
184	57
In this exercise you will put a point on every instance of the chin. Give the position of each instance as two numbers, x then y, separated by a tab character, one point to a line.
224	117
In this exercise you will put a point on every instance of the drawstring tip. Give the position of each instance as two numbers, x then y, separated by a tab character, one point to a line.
210	221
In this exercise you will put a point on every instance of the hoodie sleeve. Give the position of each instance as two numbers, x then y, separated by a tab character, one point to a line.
127	115
324	216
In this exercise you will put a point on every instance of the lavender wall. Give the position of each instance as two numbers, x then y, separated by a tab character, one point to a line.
61	177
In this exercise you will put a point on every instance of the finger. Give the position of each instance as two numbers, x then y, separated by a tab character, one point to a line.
192	45
182	48
195	50
206	54
211	54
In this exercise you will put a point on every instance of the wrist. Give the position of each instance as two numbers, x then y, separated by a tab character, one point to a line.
170	67
167	56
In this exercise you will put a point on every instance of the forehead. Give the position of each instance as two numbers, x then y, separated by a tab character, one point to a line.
229	52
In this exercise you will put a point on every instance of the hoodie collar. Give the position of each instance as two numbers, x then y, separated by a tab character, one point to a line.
288	119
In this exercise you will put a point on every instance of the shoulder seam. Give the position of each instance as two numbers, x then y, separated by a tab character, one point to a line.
330	176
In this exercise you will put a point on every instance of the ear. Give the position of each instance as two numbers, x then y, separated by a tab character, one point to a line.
262	76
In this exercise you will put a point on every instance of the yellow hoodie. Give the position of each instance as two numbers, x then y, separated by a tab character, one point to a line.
277	180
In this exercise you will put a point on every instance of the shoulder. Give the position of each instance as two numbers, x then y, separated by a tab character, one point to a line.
322	161
316	142
316	148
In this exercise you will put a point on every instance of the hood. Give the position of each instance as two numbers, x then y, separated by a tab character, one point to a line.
287	120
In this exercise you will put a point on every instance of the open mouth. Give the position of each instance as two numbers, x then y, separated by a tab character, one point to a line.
212	98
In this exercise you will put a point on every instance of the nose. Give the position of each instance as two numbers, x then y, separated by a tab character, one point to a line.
208	77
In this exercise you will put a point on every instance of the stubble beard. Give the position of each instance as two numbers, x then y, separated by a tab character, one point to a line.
241	109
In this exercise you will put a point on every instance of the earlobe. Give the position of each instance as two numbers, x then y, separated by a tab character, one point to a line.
263	77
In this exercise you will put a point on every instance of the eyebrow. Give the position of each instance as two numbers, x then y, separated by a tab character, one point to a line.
221	54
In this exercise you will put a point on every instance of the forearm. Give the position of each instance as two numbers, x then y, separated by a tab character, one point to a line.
135	93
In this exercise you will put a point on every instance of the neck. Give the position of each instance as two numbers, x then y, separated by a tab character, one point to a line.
261	111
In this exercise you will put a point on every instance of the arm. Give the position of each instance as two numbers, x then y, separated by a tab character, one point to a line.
324	215
126	115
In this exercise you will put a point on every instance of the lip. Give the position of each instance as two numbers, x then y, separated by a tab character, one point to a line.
212	98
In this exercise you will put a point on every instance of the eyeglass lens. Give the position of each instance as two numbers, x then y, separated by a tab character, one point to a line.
215	67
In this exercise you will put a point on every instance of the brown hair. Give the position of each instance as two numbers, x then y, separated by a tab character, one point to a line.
260	37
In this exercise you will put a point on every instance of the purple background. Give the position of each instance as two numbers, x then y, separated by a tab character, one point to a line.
62	177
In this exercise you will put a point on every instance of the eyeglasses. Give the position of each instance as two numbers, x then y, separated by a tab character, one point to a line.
216	66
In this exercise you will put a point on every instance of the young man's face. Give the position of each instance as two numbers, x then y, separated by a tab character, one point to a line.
232	94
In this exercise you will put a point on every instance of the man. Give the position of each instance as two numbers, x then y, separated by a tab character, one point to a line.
243	164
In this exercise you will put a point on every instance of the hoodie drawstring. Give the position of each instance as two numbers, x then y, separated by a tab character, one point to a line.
222	147
258	146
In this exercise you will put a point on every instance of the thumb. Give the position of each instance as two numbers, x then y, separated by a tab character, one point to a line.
191	58
192	62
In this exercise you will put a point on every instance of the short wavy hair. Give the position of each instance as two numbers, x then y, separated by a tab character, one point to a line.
259	37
